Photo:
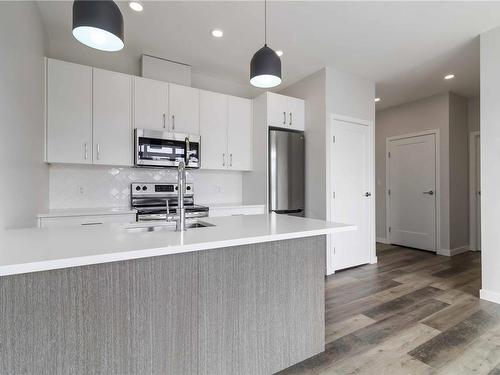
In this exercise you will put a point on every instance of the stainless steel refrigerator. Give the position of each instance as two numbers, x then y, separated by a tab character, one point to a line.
286	172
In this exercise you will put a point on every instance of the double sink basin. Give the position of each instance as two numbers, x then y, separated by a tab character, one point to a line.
165	226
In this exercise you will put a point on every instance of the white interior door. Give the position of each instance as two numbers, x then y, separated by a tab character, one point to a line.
351	183
478	191
412	192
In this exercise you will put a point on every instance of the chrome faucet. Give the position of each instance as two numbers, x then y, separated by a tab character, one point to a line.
181	186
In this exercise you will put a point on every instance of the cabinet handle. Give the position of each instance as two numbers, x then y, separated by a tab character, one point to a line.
98	152
164	121
230	160
290	118
173	122
86	150
284	118
223	160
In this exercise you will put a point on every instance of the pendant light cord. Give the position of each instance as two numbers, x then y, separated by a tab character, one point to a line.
265	22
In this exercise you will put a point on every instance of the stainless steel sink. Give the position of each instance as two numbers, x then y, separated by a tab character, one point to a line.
169	227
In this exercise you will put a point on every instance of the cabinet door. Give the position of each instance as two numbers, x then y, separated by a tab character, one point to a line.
112	118
184	109
296	113
213	130
69	112
239	133
150	104
277	110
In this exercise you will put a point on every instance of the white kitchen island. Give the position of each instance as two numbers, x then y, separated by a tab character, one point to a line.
243	296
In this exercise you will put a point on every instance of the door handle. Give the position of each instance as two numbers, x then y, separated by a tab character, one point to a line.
223	160
173	122
230	160
284	118
164	121
367	194
98	152
430	192
290	118
86	153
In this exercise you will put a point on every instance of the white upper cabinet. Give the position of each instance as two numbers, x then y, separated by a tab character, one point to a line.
226	132
296	113
277	108
69	112
91	114
285	112
112	118
213	130
150	104
184	109
239	133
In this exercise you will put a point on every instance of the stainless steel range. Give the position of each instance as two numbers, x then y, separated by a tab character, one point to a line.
155	202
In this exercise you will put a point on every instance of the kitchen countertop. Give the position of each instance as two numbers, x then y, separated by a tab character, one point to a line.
67	212
41	249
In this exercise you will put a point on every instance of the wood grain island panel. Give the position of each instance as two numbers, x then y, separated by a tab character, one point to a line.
255	308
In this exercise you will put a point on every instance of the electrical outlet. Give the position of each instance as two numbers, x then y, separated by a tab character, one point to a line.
81	190
218	188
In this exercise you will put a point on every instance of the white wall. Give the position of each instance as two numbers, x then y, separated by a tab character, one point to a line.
83	186
459	172
490	162
424	114
313	90
24	184
473	114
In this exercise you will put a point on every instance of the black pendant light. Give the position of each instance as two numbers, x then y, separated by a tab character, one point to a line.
265	67
98	24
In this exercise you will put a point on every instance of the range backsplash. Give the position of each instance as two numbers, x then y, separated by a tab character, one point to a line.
77	186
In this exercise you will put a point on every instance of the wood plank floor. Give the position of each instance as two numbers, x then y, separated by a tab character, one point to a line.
412	313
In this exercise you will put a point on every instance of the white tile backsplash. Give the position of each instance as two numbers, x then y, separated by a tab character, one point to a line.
88	186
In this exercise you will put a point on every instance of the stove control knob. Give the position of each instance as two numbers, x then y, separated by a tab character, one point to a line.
176	188
188	188
137	188
144	188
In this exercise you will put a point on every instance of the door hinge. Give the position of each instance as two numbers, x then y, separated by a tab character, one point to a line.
389	154
389	192
333	139
389	229
334	250
333	195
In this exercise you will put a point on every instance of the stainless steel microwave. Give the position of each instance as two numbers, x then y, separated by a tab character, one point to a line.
155	148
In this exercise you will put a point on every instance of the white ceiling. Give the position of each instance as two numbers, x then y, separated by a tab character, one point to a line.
405	47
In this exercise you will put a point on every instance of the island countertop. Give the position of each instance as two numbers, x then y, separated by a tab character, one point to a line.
42	249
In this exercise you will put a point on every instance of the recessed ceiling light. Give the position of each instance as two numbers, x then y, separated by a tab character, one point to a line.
279	53
217	33
449	76
135	5
377	100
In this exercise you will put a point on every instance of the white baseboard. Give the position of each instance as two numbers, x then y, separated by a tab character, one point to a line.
374	260
452	252
488	295
382	240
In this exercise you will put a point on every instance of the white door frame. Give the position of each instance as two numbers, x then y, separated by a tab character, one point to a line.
473	230
330	266
438	182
